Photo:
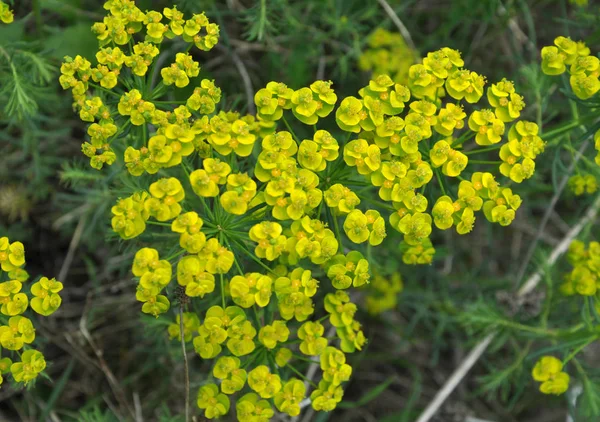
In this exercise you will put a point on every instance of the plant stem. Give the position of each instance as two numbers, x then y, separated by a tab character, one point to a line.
484	162
301	375
185	365
222	291
37	11
579	349
287	125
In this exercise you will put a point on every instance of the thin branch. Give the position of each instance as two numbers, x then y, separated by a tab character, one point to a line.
64	269
549	210
527	287
185	365
394	17
243	71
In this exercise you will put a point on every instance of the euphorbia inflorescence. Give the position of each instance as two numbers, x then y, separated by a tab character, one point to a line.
266	219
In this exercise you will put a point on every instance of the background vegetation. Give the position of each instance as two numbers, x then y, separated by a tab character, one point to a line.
109	362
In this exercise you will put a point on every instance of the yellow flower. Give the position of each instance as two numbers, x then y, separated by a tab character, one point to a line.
366	158
253	288
263	382
227	368
465	84
250	408
46	300
334	366
289	398
270	335
215	404
32	363
313	342
355	226
18	332
191	323
548	371
6	15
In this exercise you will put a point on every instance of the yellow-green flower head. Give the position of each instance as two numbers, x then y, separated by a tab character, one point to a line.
585	86
204	98
271	334
289	398
176	21
327	396
250	408
420	254
227	369
387	53
213	403
366	158
166	195
217	258
548	371
449	118
46	300
12	255
313	343
253	288
383	292
340	308
334	366
271	243
263	382
191	273
31	364
583	184
13	301
568	48
415	227
349	114
351	337
501	209
6	14
487	125
205	181
348	270
506	102
191	323
442	213
341	198
17	333
456	163
553	61
465	84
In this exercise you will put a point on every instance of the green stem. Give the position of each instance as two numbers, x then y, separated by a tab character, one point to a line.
484	162
287	125
37	11
158	223
479	151
439	179
301	375
337	231
101	88
579	349
185	365
222	291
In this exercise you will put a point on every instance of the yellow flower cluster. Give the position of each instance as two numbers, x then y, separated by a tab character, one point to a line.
583	68
549	371
19	332
6	14
387	53
583	184
246	212
584	279
383	293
